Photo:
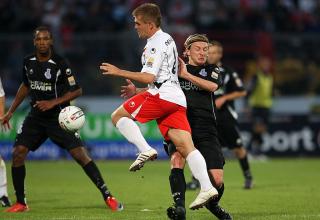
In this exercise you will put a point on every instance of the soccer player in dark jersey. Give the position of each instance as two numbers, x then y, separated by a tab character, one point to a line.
51	85
198	81
232	88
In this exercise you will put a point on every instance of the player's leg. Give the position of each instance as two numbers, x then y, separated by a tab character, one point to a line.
74	145
177	183
229	135
184	144
4	199
137	107
213	205
241	154
29	138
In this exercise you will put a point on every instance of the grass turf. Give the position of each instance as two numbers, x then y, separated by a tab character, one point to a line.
60	190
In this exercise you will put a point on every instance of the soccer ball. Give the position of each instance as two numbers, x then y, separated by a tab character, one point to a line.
71	118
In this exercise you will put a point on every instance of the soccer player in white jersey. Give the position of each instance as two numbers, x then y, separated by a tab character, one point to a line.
4	200
163	100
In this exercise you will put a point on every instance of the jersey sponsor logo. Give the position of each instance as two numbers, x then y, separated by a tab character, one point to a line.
186	85
153	50
68	71
71	81
41	86
47	73
150	62
203	72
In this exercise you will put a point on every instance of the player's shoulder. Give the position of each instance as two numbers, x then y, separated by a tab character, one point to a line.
29	57
163	40
229	70
57	58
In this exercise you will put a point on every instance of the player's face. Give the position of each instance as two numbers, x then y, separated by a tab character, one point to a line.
142	28
215	54
42	41
198	53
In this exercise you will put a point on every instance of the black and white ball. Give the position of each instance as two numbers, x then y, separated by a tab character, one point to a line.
71	118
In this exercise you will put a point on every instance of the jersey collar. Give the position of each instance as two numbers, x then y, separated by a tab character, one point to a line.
155	34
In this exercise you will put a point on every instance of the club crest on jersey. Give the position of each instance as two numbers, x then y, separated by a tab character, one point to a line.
132	104
203	72
153	50
68	71
31	71
47	73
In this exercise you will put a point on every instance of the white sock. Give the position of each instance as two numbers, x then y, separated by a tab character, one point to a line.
3	179
198	169
131	131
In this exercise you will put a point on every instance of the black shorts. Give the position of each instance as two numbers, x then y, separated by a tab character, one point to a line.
210	150
228	131
35	130
260	115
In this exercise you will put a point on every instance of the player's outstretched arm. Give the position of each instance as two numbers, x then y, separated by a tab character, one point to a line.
22	93
45	105
109	69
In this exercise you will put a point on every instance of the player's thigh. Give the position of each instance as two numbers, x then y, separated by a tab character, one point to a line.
229	135
64	139
144	107
212	153
31	133
175	119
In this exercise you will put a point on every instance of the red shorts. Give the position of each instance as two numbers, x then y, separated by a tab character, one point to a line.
146	107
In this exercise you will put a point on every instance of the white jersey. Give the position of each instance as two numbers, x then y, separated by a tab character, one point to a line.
1	89
160	58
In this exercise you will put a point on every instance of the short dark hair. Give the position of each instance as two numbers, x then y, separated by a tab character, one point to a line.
215	43
42	28
149	12
195	38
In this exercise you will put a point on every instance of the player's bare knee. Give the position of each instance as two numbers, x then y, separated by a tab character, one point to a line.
80	155
19	155
177	160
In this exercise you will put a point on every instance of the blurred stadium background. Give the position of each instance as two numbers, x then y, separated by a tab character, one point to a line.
88	32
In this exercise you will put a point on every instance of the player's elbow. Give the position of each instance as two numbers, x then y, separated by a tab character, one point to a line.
213	87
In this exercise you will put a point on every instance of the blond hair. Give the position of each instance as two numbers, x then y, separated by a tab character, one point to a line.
195	38
149	12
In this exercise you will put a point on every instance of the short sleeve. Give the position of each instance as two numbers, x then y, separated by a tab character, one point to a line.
153	58
24	73
236	83
68	76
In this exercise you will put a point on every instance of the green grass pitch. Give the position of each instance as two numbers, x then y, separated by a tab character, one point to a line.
60	190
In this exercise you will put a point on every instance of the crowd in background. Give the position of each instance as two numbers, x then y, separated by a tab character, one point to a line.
88	31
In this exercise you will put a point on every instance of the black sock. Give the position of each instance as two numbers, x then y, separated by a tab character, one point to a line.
178	186
94	174
213	203
245	167
18	176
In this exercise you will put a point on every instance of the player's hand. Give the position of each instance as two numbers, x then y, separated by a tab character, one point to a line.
44	105
128	90
182	72
109	69
5	125
220	101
